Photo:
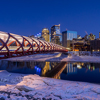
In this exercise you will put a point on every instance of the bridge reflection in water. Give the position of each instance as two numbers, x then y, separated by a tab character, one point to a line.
47	69
86	72
57	70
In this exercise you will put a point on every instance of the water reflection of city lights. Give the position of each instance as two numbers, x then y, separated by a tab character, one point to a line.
91	68
78	66
37	69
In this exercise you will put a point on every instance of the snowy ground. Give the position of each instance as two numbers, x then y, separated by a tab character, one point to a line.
33	87
57	57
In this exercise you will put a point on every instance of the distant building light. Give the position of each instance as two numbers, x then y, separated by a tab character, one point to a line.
45	29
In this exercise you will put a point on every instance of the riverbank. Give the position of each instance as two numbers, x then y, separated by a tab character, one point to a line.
33	87
57	57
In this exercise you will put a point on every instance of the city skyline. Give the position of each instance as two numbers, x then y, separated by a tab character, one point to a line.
30	17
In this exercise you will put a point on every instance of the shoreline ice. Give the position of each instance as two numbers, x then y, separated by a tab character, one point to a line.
56	57
25	86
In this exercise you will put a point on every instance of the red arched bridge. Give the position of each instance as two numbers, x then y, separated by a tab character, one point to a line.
12	45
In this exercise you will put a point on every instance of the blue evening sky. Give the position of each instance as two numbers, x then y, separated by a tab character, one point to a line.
28	17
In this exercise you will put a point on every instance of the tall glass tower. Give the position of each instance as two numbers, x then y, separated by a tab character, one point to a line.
55	34
67	37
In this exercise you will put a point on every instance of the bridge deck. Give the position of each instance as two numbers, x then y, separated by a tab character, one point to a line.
15	45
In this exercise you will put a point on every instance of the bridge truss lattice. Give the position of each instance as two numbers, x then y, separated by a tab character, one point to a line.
12	45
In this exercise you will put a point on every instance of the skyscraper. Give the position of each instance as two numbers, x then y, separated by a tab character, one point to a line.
67	37
55	34
45	34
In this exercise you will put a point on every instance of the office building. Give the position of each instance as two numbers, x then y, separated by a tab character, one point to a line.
45	34
91	37
55	34
67	37
95	45
38	35
80	45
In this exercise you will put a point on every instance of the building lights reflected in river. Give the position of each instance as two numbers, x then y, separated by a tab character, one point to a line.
85	72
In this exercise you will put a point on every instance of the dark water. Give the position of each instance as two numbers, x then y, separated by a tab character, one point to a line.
85	72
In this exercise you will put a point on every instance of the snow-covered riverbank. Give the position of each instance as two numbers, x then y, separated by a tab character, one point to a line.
57	57
34	87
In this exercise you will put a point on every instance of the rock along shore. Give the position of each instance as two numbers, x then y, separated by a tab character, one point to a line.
15	86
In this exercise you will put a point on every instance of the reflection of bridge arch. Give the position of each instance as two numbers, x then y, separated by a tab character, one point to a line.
56	71
12	45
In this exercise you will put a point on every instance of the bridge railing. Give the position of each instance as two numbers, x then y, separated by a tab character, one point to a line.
15	45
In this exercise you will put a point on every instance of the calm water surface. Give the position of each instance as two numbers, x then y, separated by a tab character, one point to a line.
85	72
